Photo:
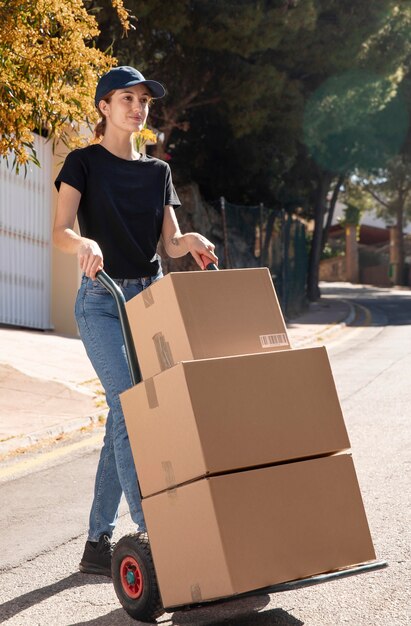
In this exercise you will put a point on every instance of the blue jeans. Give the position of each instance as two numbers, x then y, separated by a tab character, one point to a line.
100	331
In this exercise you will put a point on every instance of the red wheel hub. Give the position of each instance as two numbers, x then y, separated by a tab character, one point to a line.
131	577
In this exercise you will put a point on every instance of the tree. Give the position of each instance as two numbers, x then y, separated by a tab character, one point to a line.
48	71
388	192
354	115
207	52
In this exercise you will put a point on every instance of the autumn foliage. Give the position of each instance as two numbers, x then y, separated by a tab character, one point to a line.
48	70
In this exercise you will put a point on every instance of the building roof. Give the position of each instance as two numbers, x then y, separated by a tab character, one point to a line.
368	218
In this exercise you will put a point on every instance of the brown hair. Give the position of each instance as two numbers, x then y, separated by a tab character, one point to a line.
101	124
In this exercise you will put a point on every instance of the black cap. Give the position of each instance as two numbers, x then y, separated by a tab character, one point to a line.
125	76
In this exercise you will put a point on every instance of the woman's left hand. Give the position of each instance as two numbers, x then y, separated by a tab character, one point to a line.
199	246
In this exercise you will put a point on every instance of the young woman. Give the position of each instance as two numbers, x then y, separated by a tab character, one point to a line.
124	203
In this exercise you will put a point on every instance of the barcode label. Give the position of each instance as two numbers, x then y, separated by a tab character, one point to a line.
268	341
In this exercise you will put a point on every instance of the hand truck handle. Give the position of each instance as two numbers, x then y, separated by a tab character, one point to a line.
208	263
132	361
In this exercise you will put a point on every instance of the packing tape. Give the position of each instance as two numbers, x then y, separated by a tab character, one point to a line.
151	393
168	473
148	298
196	593
172	493
164	355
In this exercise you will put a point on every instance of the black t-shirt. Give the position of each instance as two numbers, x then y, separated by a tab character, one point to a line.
121	207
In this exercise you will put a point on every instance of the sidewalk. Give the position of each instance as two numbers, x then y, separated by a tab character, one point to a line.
48	387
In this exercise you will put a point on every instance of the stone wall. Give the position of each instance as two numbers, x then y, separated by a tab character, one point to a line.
333	270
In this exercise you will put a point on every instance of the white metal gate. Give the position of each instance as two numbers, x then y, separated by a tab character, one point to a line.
25	241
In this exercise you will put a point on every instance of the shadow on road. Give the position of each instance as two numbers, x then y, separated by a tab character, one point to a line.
21	603
119	616
389	311
233	613
347	290
377	306
273	617
236	612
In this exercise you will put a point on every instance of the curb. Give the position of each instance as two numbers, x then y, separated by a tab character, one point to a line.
329	330
23	443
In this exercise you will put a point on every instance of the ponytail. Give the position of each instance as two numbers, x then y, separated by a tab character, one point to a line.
100	128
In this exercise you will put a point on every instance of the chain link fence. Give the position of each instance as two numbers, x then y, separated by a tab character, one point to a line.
259	236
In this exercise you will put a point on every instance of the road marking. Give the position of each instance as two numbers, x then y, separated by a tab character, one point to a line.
45	457
367	314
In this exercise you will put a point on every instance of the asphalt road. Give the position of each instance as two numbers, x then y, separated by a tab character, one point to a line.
45	499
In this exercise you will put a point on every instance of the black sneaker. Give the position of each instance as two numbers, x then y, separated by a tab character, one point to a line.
97	557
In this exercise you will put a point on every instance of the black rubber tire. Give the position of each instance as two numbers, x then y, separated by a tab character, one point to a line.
148	606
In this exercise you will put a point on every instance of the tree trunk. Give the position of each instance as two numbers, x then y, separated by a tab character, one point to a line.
268	235
313	291
399	254
331	209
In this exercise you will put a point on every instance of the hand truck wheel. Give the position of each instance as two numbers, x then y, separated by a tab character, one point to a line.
134	578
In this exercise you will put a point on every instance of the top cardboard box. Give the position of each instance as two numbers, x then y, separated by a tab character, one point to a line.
198	315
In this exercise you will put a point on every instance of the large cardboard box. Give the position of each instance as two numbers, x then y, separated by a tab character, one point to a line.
238	532
199	315
218	415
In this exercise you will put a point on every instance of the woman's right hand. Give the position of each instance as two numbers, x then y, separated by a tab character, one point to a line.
90	258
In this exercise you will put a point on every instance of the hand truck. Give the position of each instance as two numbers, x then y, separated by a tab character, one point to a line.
133	569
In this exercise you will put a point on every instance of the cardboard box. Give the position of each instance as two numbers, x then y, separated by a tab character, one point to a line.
238	532
199	315
218	415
